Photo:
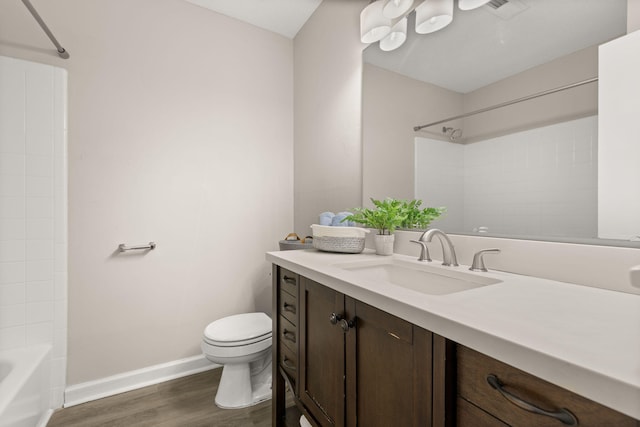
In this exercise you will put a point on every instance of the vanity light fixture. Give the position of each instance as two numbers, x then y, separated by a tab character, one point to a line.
386	20
374	26
396	37
433	15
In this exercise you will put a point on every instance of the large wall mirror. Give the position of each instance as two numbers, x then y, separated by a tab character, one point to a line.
525	170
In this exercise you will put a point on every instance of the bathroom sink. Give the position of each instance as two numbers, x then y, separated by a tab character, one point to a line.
419	277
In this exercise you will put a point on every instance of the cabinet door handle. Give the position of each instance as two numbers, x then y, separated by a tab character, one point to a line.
334	318
288	335
346	325
563	415
289	307
290	280
287	364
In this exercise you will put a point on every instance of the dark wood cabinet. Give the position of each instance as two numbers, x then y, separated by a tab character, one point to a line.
322	377
389	364
358	365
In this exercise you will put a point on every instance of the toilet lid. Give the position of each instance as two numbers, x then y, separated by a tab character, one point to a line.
240	327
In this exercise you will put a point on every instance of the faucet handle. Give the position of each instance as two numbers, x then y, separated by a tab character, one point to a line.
424	251
478	261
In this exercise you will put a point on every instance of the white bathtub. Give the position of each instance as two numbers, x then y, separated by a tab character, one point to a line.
24	386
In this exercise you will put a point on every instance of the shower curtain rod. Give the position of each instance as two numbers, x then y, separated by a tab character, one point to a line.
63	53
507	103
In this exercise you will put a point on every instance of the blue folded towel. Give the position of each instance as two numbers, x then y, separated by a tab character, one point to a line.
326	218
337	220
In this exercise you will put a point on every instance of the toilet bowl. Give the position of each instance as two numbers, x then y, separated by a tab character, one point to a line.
242	344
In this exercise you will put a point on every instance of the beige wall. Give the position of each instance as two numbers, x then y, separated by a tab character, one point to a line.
327	91
392	104
180	132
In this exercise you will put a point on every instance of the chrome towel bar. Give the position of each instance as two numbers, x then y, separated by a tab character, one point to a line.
123	248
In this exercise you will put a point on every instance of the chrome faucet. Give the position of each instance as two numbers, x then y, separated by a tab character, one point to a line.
448	252
478	260
424	250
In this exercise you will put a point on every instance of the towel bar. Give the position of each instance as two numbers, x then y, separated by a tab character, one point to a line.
123	248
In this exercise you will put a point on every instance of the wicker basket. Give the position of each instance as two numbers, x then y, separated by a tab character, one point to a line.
348	240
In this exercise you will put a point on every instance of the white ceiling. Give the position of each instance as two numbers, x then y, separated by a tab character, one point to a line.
479	48
284	17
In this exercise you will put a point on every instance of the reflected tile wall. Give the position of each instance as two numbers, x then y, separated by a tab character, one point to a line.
33	214
539	182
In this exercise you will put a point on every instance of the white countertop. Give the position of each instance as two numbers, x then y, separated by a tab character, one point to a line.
584	339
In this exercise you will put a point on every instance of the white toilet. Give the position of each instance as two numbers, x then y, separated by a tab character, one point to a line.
242	344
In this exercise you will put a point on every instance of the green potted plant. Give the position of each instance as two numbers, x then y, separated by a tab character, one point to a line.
386	216
419	218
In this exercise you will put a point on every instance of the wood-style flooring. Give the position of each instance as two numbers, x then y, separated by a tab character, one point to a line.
184	402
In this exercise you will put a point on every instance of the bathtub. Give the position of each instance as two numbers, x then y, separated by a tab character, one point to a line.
24	386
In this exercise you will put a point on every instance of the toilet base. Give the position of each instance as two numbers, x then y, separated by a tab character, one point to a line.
244	384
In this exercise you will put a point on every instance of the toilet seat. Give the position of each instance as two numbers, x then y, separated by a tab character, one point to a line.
238	330
237	343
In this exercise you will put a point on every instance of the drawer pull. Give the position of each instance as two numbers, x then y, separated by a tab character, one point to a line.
289	307
563	415
291	280
287	364
288	335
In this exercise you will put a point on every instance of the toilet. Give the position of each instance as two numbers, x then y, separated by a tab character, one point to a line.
242	344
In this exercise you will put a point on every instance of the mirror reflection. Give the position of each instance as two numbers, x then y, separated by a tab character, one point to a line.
525	170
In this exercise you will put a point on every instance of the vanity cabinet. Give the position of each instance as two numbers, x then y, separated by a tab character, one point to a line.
357	365
355	351
494	394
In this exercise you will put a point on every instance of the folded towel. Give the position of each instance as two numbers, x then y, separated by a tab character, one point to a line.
346	223
326	218
304	422
336	221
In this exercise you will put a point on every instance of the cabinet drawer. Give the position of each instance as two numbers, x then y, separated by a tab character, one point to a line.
469	415
474	369
289	363
289	307
288	334
289	281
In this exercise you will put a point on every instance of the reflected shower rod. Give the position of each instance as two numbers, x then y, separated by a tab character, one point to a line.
61	51
507	103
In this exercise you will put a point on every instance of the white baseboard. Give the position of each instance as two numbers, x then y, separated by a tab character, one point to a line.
92	390
44	419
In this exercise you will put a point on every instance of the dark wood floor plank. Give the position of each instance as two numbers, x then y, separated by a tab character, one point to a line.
187	401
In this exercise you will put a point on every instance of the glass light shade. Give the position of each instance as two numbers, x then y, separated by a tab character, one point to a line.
374	26
471	4
433	15
396	8
396	37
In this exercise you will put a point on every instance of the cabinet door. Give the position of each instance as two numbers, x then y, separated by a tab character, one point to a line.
388	369
322	365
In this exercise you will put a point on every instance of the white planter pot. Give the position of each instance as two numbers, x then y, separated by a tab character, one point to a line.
384	244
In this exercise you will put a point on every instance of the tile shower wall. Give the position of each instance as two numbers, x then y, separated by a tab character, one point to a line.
536	182
33	210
